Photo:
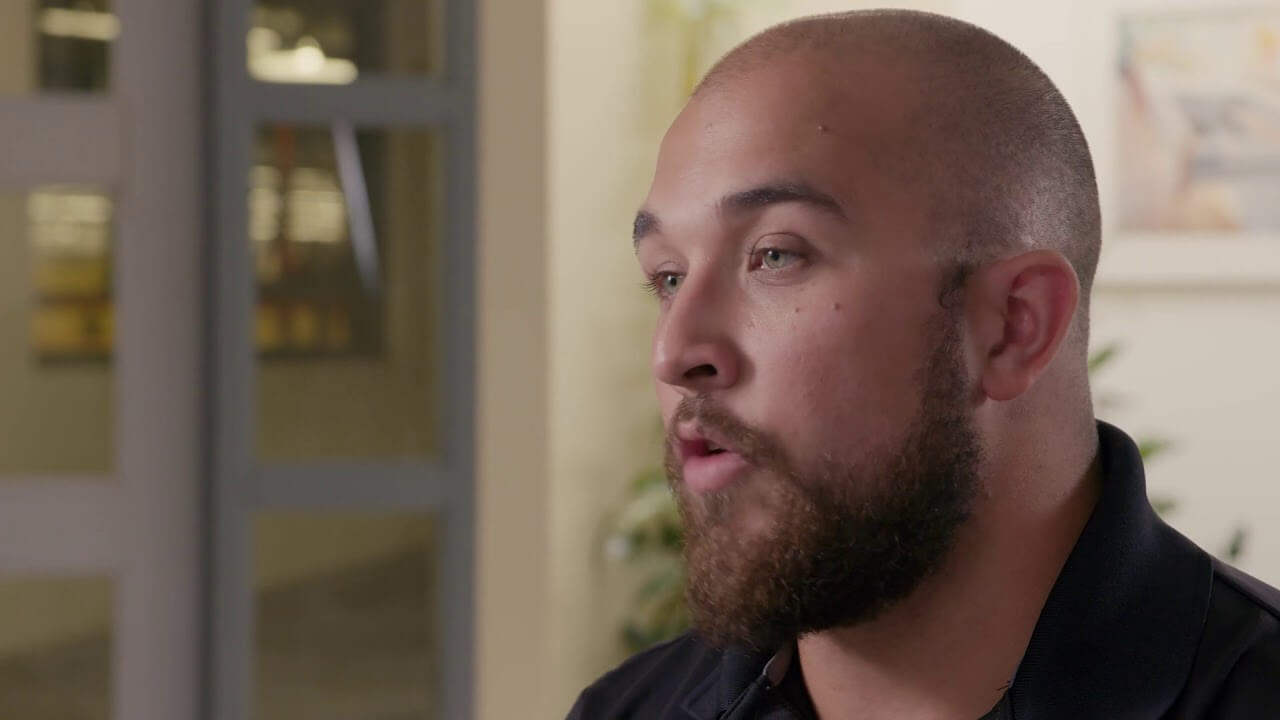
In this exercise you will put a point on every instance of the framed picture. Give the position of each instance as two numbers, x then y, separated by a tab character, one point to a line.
1194	110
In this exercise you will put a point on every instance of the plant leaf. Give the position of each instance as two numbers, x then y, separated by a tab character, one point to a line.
1103	355
1235	548
1164	506
1150	447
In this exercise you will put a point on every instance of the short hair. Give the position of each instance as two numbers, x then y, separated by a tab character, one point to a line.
1016	169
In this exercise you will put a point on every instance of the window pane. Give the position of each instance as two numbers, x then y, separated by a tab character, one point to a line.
55	649
346	617
55	45
55	332
346	326
336	41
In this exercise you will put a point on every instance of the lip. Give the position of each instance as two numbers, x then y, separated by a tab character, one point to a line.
704	472
712	473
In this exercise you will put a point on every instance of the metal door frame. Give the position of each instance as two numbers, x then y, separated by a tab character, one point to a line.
240	484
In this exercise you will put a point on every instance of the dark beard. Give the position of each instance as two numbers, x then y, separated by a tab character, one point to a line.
843	542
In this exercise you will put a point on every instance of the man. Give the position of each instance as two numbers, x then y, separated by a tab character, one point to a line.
872	238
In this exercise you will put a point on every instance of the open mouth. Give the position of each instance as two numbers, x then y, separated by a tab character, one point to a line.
700	447
707	465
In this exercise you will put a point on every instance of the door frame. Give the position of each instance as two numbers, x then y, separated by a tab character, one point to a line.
241	484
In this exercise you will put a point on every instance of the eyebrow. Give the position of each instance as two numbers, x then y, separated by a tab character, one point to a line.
751	200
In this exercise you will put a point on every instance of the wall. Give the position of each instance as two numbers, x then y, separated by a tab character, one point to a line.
513	641
600	138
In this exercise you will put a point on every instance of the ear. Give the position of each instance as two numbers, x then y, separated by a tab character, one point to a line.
1020	309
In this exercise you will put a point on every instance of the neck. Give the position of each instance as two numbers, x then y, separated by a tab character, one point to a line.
951	648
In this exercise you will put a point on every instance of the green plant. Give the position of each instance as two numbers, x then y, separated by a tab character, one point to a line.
698	23
648	534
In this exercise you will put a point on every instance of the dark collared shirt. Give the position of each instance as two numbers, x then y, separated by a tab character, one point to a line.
1140	624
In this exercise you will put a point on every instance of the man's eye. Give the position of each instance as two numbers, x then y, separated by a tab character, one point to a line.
774	259
664	284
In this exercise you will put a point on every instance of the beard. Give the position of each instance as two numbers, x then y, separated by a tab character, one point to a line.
840	542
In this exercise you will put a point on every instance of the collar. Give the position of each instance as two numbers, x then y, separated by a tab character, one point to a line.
1118	633
1116	636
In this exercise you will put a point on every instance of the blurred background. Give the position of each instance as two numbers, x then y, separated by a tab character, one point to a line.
323	356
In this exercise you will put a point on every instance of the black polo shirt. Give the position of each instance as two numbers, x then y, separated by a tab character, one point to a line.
1140	623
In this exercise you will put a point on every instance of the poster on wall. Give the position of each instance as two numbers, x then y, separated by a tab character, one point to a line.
1196	171
1199	122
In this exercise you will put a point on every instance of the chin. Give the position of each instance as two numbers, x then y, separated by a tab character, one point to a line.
754	521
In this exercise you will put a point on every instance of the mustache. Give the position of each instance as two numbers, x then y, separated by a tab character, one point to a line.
756	445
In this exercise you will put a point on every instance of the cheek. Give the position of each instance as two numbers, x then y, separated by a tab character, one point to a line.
833	372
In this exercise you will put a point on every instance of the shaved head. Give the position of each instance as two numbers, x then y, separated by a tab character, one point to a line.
871	237
986	133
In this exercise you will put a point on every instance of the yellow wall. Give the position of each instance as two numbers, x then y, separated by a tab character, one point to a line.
607	73
513	642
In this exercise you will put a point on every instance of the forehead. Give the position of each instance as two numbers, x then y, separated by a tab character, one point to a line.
837	129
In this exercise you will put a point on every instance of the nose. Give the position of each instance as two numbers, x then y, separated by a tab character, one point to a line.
693	347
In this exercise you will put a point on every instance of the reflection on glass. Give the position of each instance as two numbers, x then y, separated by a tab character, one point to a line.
345	617
334	41
61	45
55	331
55	649
343	229
69	231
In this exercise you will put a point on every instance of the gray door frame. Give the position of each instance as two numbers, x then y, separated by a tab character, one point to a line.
242	485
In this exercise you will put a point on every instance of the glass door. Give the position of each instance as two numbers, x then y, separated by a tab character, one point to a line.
342	473
100	344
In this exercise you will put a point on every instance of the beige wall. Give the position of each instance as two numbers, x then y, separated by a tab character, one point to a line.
606	107
513	642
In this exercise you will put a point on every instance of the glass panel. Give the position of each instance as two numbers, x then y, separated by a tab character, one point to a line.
55	45
55	332
336	41
55	648
346	617
344	233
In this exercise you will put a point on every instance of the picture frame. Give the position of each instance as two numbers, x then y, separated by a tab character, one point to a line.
1185	124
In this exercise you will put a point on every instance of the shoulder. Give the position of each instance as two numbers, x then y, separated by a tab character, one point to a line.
651	684
1237	667
1257	625
1261	596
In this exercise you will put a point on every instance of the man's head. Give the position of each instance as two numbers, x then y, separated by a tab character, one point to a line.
870	235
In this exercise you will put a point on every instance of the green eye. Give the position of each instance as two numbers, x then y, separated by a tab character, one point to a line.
774	259
664	284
